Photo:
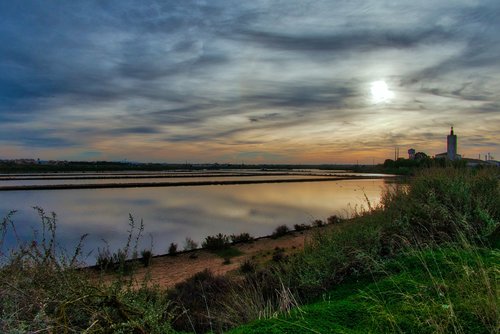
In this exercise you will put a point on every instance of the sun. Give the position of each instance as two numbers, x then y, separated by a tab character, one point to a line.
380	92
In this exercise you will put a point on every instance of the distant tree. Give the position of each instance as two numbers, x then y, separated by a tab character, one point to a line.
389	163
421	156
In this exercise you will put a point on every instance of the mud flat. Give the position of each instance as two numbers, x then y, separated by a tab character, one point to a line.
174	184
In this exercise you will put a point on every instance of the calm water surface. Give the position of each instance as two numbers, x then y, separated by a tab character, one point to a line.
172	214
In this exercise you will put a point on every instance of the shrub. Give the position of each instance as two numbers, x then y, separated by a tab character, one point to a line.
318	223
147	257
301	227
216	242
190	244
196	299
279	254
241	238
248	266
280	231
333	220
172	249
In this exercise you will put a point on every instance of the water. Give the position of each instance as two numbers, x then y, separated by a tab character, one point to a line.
172	214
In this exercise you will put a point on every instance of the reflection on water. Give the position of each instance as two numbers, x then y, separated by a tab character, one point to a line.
172	214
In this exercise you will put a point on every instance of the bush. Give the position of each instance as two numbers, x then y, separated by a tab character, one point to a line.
280	231
196	299
248	266
301	227
241	238
172	249
333	220
216	242
318	223
279	254
190	244
147	257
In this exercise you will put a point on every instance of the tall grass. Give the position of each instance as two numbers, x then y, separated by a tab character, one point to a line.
445	204
44	289
452	289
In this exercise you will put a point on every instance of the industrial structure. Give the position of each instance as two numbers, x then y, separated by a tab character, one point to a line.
411	154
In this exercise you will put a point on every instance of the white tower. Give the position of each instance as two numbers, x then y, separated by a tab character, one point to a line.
452	145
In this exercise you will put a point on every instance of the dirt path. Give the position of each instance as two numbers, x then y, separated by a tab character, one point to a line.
166	270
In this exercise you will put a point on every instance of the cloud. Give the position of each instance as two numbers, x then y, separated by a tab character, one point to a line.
88	76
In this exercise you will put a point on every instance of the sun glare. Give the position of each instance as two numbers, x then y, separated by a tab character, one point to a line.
380	92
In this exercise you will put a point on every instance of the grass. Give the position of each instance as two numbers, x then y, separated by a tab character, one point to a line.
448	290
426	258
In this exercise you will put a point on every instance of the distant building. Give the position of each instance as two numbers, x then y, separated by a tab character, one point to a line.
411	154
451	149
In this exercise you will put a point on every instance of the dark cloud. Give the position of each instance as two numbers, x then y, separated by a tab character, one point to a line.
354	41
38	138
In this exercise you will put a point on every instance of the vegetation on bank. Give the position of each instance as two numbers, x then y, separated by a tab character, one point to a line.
33	166
424	261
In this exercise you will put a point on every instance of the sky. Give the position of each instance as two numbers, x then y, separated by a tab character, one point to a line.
248	81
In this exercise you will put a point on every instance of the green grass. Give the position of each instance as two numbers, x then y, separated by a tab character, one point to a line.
448	290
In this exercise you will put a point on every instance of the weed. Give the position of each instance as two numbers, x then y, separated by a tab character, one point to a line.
43	289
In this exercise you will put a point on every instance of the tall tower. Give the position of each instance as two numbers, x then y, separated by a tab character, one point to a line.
452	145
